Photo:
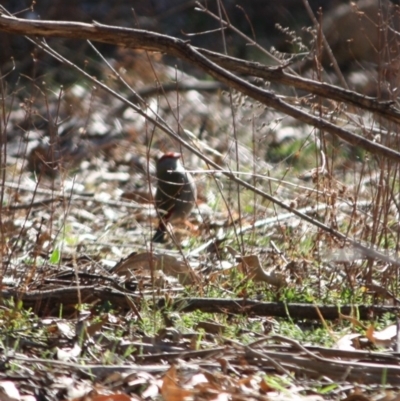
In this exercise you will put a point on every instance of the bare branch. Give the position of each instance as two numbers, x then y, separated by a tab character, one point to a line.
151	41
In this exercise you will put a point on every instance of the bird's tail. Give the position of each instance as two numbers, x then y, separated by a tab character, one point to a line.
159	236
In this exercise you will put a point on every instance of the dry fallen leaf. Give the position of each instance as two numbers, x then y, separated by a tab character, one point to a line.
383	338
103	397
168	264
389	396
93	328
348	342
252	264
357	396
8	391
170	390
65	354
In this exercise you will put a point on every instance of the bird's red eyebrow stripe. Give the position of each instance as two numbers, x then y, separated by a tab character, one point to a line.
174	155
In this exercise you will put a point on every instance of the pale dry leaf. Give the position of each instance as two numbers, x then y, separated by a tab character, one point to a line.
390	396
251	382
96	396
348	342
170	265
112	397
8	391
68	353
170	389
151	392
76	390
252	265
105	397
112	378
28	398
197	379
222	397
65	329
357	396
383	338
97	326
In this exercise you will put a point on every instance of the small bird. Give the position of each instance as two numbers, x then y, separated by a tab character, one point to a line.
176	192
